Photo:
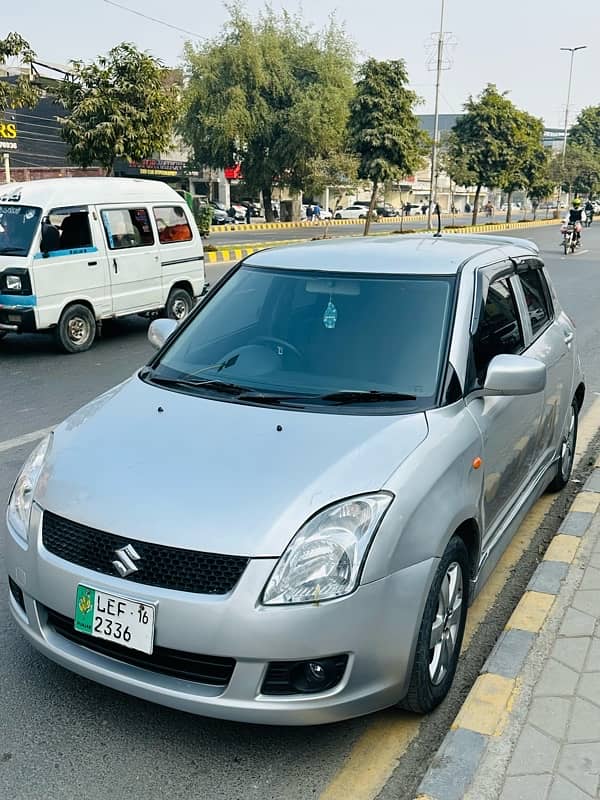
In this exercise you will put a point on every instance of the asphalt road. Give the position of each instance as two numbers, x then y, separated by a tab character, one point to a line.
65	738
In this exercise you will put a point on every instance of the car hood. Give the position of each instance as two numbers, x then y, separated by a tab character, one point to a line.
171	468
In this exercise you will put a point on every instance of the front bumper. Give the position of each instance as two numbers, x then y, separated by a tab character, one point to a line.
376	626
17	319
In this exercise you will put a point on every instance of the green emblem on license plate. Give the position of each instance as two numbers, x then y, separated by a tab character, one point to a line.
84	609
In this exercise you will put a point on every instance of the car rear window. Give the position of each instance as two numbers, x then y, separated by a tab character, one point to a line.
172	224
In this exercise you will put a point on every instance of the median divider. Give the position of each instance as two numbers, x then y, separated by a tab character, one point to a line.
236	253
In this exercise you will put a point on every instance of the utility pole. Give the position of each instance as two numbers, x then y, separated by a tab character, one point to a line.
7	167
571	50
434	151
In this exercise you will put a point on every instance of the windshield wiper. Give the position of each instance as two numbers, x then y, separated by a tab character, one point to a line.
13	251
217	386
368	396
255	396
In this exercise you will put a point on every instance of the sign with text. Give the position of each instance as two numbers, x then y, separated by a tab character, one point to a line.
8	135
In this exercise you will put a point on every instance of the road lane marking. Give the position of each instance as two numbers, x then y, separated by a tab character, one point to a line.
376	753
10	444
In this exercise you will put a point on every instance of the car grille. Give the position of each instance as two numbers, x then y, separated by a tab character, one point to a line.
211	670
167	567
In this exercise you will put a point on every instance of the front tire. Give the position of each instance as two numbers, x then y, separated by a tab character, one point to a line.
76	329
179	304
567	451
441	632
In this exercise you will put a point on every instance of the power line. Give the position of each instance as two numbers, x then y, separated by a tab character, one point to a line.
152	19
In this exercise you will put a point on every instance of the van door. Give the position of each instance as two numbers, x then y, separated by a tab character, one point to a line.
180	247
75	269
134	265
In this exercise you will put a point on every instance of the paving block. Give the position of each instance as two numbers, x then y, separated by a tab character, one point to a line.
572	651
535	753
548	577
588	602
586	501
485	707
576	523
454	766
562	548
556	680
580	764
593	482
585	722
593	659
531	611
524	787
589	688
551	715
576	623
591	579
509	653
563	790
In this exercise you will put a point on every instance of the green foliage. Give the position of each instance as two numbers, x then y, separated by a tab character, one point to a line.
122	106
586	130
580	170
204	218
22	93
480	150
383	129
527	157
271	94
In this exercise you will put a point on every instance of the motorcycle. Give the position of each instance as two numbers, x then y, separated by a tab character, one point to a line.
571	239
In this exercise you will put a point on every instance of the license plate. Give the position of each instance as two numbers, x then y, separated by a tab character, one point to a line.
116	619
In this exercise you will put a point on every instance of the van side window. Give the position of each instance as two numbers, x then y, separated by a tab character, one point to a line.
172	224
127	227
73	225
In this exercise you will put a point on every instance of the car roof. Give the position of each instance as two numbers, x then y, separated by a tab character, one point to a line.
395	255
54	192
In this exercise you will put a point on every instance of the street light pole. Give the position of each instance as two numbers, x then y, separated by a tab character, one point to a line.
571	50
434	151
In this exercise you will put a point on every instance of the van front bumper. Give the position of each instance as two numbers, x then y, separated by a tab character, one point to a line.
375	628
17	318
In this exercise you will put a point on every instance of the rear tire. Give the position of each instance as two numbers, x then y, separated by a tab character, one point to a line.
76	329
441	632
179	304
566	246
567	452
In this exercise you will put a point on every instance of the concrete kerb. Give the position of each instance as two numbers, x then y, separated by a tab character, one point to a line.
491	717
237	253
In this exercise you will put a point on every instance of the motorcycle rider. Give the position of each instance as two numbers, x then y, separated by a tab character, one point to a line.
576	217
589	211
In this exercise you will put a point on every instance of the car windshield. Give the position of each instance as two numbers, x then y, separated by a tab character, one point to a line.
301	337
18	225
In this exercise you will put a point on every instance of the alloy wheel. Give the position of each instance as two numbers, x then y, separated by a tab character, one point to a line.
446	625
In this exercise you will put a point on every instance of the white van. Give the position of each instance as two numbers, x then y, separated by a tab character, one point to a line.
76	251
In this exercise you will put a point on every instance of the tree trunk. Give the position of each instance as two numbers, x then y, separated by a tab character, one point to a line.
268	202
476	205
370	212
508	206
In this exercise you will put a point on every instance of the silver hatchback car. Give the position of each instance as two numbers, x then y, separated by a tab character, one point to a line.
283	517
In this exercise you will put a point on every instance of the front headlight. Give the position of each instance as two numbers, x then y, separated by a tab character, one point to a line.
21	498
325	557
13	282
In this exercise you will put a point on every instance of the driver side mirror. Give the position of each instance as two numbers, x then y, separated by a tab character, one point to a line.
510	375
50	238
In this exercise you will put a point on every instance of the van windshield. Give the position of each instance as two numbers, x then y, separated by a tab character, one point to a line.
18	226
316	339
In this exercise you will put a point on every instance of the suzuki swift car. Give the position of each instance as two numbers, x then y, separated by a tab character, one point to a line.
283	517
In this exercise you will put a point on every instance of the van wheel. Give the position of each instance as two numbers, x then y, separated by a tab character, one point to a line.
76	329
567	451
179	304
441	633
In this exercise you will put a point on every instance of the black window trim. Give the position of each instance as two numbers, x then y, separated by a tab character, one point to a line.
530	264
102	209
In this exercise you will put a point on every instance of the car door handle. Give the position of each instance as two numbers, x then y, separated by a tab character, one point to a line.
92	263
569	337
115	267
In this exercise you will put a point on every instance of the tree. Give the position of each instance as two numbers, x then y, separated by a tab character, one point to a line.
578	172
22	93
482	140
539	182
270	94
586	130
526	157
124	105
383	130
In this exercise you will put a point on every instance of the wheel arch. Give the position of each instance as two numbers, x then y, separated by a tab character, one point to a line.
183	284
580	396
78	302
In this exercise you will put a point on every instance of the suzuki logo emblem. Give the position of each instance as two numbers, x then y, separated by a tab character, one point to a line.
126	558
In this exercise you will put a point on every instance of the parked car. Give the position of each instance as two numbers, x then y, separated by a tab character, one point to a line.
387	211
376	416
353	212
77	251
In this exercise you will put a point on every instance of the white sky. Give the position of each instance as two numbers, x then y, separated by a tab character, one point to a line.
513	43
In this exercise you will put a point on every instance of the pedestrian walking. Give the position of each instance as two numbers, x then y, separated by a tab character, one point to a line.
309	213
317	212
248	215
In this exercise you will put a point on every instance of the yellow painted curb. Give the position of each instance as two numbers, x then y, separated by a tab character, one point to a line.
486	705
562	548
586	501
531	612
